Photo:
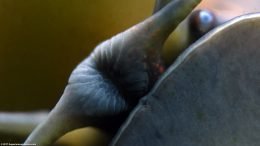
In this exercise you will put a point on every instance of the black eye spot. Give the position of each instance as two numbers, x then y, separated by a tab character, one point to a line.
201	21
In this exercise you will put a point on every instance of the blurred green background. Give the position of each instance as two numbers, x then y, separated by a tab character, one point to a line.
41	41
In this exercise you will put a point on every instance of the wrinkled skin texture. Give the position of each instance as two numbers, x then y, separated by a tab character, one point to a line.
105	86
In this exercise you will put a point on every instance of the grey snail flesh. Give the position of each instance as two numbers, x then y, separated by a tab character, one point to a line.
209	96
110	82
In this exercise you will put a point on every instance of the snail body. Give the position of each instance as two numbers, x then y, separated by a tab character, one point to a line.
105	86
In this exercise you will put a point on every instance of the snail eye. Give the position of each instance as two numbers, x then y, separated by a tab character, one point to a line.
201	21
